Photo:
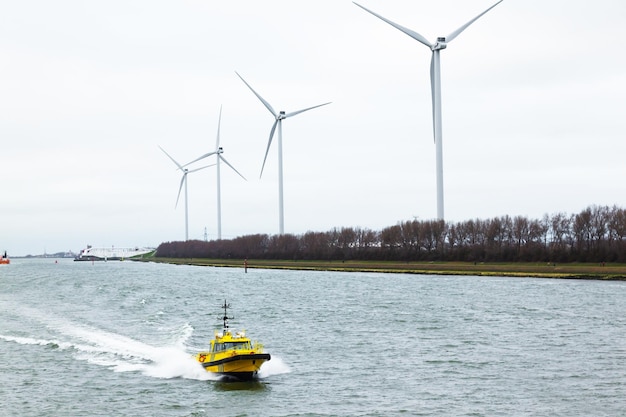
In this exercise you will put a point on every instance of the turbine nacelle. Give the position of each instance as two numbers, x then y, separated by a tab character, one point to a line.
440	44
281	116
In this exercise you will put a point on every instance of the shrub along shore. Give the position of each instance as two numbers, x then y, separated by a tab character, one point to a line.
594	236
602	271
587	245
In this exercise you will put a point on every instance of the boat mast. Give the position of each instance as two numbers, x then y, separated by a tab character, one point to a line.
226	306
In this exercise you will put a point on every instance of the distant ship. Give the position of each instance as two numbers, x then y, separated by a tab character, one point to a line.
110	254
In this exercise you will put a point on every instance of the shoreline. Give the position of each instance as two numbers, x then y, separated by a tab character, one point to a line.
603	272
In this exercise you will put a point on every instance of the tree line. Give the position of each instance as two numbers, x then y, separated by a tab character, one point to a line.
596	234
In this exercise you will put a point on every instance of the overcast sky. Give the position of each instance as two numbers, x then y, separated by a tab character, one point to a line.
533	95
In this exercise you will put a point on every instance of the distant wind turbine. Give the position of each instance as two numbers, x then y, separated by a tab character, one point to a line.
184	181
218	151
435	84
279	116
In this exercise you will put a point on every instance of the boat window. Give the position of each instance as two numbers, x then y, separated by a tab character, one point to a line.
231	345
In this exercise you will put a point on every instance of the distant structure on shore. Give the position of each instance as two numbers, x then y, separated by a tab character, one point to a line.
110	254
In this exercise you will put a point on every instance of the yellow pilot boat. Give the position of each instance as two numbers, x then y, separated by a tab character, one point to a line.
233	356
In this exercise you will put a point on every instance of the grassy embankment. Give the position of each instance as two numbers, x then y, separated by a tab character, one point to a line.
514	269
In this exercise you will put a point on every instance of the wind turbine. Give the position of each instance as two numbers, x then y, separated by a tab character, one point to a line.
218	151
279	116
183	180
435	85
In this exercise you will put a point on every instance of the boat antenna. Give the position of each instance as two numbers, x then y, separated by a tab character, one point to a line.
226	306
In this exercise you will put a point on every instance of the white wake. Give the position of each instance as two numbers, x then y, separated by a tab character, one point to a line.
124	354
121	353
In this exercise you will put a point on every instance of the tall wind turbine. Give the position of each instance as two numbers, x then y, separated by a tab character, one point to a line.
183	180
218	151
435	84
279	116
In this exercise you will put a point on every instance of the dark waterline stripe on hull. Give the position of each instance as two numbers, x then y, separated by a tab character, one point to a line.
254	356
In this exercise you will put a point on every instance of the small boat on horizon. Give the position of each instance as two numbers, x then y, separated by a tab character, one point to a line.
5	259
234	357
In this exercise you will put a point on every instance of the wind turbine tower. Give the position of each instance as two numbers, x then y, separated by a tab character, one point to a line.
218	152
435	84
279	116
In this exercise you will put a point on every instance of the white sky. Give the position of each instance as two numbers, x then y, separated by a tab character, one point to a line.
533	115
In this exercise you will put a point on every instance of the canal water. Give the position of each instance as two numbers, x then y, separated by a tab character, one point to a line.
116	338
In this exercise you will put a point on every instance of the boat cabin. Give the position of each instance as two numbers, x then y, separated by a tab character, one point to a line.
228	342
220	346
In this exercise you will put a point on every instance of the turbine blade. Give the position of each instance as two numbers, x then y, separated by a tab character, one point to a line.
432	90
303	110
457	32
182	181
233	168
198	169
173	160
409	32
269	107
219	122
269	143
197	159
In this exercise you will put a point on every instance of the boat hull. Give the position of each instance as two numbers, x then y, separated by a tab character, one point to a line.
242	367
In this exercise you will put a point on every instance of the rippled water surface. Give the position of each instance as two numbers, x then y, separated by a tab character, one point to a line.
115	338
